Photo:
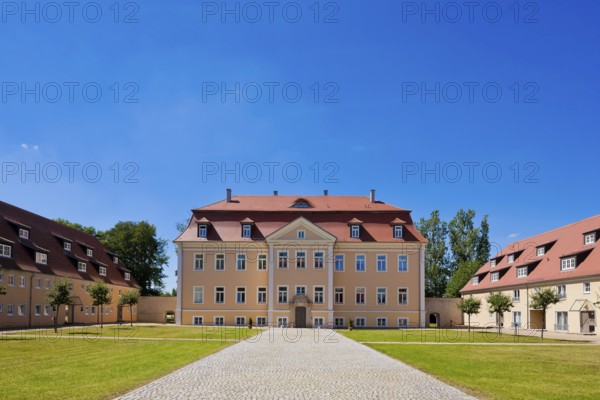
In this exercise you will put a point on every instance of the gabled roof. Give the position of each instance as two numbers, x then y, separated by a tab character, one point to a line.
566	241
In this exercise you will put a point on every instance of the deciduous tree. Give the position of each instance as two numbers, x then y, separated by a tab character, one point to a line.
542	299
499	303
58	295
100	294
437	262
130	298
469	305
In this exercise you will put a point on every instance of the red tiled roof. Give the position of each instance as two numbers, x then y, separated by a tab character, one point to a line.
559	243
330	213
48	236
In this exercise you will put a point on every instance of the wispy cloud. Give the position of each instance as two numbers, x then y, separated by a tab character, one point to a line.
513	235
26	146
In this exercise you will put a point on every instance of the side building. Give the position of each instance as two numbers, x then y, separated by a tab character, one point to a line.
303	261
35	252
566	259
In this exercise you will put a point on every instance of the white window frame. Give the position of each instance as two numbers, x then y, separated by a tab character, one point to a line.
516	321
246	230
219	292
568	264
589	238
41	258
38	310
494	276
89	253
364	295
279	292
381	260
219	257
81	266
198	257
127	276
197	320
516	298
355	231
562	327
587	287
5	251
562	291
522	272
218	320
510	258
47	309
475	280
282	322
198	295
381	319
10	310
337	292
262	290
202	230
261	321
405	303
115	260
301	235
22	281
540	251
12	282
402	322
316	258
240	295
318	322
102	271
398	231
492	263
38	283
402	261
23	233
240	260
364	262
321	298
378	297
262	263
337	259
339	322
21	310
360	322
297	292
282	259
301	260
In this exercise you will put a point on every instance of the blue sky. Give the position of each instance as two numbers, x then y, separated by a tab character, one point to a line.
170	93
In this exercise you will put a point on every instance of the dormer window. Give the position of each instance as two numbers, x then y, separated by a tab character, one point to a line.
589	238
540	251
23	233
5	251
67	246
102	271
475	280
116	260
567	264
301	203
354	231
127	276
396	225
246	230
41	258
492	263
398	231
90	253
511	258
202	231
521	272
81	266
494	276
300	235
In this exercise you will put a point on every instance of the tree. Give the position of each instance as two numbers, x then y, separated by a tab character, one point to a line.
57	296
437	263
460	278
182	225
542	299
100	294
469	306
141	251
87	229
499	303
483	248
130	298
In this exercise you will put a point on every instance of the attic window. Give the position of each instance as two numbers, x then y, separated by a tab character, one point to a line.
301	203
354	231
127	276
202	230
301	234
102	271
492	263
23	233
589	238
475	280
67	246
90	253
246	230
511	258
116	260
568	264
397	231
540	251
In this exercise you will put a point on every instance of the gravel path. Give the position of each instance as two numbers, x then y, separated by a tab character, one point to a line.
297	364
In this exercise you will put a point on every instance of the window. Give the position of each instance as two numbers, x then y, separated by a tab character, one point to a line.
10	310
360	262
198	321
587	287
103	271
339	262
47	309
246	230
220	262
402	295
381	263
360	322
38	309
318	322
241	262
282	294
319	260
516	319
282	322
41	258
567	264
219	321
338	296
93	310
240	321
402	263
127	276
81	266
300	235
261	321
5	251
11	280
23	233
219	295
381	295
22	281
262	262
90	253
475	280
282	259
319	290
48	284
116	260
540	251
360	295
338	322
21	310
300	290
398	231
590	238
198	262
240	297
403	322
301	259
562	291
38	283
516	296
511	258
562	321
198	294
354	231
381	322
521	272
262	295
492	263
494	276
202	231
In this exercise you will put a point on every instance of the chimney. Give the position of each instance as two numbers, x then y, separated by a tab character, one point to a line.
275	193
325	192
372	196
229	195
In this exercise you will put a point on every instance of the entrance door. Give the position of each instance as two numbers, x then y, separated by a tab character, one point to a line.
300	317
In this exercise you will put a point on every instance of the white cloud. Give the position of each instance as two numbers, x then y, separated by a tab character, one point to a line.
513	235
24	146
34	147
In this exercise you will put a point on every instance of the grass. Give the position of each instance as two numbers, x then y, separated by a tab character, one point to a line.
440	336
64	368
508	372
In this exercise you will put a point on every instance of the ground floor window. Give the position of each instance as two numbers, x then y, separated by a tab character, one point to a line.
318	322
10	310
402	322
261	321
240	321
516	319
282	322
219	320
47	310
381	322
338	322
562	321
38	309
198	320
360	322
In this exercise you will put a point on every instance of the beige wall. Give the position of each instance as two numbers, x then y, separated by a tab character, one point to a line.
155	308
447	310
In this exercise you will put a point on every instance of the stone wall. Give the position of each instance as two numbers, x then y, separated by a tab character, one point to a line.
155	308
445	310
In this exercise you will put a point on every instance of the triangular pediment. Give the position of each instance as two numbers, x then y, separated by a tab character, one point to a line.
312	232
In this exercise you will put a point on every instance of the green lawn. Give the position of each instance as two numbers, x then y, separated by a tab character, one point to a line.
65	368
508	372
439	335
